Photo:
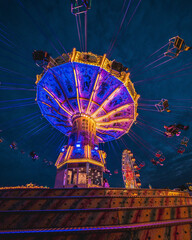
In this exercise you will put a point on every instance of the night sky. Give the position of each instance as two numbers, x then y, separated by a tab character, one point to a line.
28	25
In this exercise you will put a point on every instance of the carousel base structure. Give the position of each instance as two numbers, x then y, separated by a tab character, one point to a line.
95	213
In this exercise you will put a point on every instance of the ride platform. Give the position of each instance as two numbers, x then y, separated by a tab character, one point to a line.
95	213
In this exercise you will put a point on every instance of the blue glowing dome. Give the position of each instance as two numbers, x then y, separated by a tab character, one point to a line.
90	88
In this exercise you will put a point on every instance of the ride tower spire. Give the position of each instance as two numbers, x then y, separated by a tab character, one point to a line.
81	163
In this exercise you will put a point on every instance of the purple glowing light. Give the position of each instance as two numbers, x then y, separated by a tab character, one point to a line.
138	226
59	99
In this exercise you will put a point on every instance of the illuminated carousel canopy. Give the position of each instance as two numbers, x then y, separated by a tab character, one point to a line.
88	84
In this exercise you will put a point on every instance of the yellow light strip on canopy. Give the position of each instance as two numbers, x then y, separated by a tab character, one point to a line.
95	85
113	121
111	129
100	138
113	111
77	88
68	150
46	104
89	151
106	101
101	156
82	160
73	54
130	126
85	150
57	101
59	158
52	108
69	155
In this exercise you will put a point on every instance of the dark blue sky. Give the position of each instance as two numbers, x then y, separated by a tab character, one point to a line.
28	25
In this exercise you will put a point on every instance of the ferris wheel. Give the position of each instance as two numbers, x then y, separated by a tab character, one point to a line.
130	170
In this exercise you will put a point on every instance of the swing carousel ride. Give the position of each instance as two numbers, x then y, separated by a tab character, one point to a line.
91	100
